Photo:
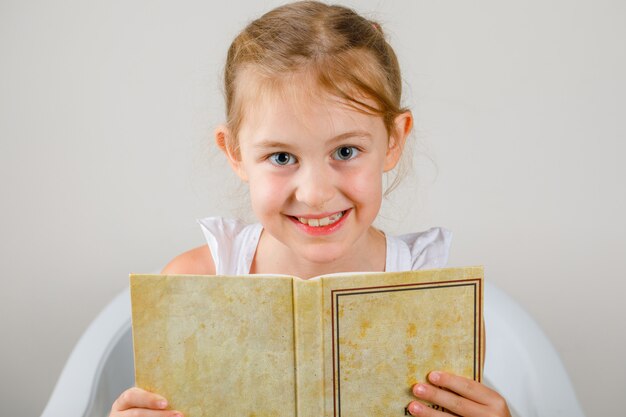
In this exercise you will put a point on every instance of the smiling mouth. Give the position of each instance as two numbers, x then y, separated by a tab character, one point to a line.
324	221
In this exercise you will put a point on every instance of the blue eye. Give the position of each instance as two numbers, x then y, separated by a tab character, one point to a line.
345	153
282	158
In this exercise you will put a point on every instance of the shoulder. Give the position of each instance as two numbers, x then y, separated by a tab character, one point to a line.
197	261
221	227
428	249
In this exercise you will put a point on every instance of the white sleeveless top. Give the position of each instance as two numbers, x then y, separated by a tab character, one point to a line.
233	245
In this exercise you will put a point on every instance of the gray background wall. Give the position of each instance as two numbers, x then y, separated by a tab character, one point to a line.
106	159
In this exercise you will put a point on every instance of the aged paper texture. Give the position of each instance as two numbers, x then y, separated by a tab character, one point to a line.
385	332
341	345
216	346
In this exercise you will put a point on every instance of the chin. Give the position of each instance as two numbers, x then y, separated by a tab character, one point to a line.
323	254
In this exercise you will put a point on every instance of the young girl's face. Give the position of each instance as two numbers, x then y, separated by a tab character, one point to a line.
314	169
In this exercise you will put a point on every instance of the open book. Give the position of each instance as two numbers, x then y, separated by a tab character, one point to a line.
341	345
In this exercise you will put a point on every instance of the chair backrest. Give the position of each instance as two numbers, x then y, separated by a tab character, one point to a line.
520	363
100	366
116	377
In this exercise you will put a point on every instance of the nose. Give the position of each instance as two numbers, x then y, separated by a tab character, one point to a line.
315	186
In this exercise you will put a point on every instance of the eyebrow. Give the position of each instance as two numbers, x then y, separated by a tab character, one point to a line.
360	134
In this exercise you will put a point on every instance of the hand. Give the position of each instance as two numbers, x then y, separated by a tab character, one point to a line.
135	402
457	396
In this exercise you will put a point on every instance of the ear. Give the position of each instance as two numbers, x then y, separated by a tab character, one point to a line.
402	126
225	141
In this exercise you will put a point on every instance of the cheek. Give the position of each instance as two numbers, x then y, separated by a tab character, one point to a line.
267	192
365	187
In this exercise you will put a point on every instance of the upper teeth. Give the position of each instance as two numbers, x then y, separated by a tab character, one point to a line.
324	221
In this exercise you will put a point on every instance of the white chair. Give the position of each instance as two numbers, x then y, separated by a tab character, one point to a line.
520	363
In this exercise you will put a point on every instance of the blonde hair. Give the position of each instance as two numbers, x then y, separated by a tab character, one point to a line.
342	52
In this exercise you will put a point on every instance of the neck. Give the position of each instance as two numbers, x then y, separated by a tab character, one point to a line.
274	257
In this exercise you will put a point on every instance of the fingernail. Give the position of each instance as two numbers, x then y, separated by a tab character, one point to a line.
162	404
177	415
419	389
415	407
434	376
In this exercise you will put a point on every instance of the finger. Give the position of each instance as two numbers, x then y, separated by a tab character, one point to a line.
465	387
416	408
139	398
449	401
142	412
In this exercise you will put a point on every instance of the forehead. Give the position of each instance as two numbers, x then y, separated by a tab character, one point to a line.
297	102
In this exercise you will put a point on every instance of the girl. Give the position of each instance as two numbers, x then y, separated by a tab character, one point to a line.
314	120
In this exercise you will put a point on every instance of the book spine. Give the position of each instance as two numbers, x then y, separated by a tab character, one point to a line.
308	347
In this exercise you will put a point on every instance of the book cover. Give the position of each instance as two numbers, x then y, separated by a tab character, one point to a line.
336	345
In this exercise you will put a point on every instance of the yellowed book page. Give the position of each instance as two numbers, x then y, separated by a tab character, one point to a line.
385	332
309	348
216	346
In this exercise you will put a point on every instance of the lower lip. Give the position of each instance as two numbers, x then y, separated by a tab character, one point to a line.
321	230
